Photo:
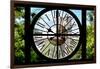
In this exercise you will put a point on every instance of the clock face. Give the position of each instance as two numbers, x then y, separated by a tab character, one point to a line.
56	33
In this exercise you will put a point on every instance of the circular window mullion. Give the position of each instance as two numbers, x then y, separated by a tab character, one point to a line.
58	34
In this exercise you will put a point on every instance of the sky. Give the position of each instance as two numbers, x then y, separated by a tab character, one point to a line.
76	12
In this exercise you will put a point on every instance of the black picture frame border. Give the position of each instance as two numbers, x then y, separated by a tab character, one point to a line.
54	5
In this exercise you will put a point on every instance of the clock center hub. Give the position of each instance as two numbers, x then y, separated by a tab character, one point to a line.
57	39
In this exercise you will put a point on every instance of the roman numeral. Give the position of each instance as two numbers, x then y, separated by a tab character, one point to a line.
45	22
48	52
40	24
59	12
71	47
71	26
53	54
73	30
61	17
62	51
37	30
67	50
73	42
37	37
68	19
53	13
36	40
64	16
40	43
47	17
44	47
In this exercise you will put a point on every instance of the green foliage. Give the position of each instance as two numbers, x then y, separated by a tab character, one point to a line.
90	16
19	38
90	41
19	12
34	56
89	44
90	35
19	43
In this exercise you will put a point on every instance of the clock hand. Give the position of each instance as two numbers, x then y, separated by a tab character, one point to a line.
49	30
51	38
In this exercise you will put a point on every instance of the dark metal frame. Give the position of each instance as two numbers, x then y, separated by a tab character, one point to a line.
28	31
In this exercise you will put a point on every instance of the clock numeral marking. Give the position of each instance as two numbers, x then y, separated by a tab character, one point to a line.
65	16
61	17
58	56
40	24
48	52
68	19
73	42
52	17
45	22
62	13
47	17
39	30
40	39
42	47
62	51
53	52
73	30
59	12
71	47
71	26
54	14
67	50
45	47
41	43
